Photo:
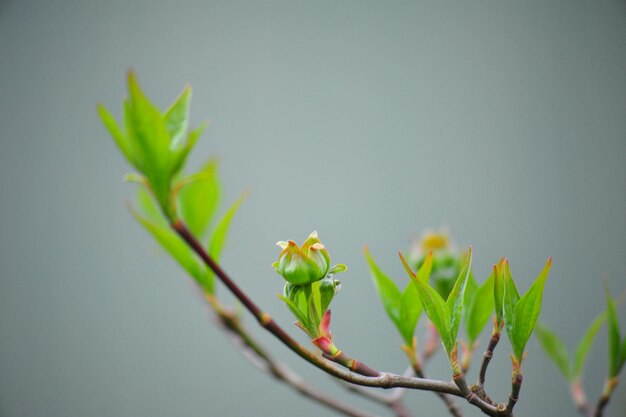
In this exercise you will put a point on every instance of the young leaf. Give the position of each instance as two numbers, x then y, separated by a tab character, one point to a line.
148	131
509	300
434	306
410	305
479	309
387	290
555	349
301	317
177	118
218	236
179	250
498	290
199	198
615	362
149	208
527	311
582	350
409	312
120	138
179	156
454	302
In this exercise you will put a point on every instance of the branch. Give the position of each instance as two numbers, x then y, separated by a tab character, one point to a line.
609	387
377	379
493	342
579	397
256	355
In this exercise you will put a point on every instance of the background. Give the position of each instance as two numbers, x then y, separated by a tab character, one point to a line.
368	121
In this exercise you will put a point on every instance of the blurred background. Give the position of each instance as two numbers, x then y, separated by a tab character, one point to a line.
367	121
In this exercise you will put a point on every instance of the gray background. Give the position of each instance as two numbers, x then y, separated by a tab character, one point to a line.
368	121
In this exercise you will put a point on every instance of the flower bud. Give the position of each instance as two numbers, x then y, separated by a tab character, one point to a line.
303	265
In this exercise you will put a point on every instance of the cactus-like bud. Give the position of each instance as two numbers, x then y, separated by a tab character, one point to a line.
303	265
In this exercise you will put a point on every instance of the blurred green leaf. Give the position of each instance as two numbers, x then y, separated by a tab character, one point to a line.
555	349
179	156
527	311
177	118
434	306
410	310
509	300
582	350
120	138
387	290
410	304
615	362
479	310
198	199
149	207
179	250
470	291
454	302
146	128
498	290
220	232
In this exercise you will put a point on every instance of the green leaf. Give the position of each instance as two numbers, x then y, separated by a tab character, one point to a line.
527	311
582	350
301	317
327	289
219	234
555	349
455	298
149	140
410	310
509	300
622	357
177	118
614	337
498	290
410	304
179	250
434	306
470	291
147	129
387	290
120	138
149	208
179	156
480	309
198	199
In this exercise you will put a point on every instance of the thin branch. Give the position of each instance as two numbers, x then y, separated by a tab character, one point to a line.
380	379
609	387
261	359
493	342
516	386
579	398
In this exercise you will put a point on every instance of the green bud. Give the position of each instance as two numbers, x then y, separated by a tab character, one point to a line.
303	265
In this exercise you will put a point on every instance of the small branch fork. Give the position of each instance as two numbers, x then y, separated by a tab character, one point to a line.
580	398
361	374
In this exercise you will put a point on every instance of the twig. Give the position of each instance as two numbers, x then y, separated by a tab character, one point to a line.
579	397
493	342
378	379
609	387
252	351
